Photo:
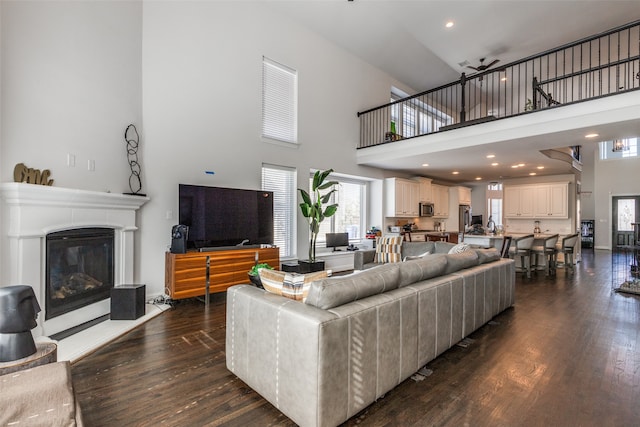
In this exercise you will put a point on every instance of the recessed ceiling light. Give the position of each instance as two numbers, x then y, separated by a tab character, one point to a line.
521	164
591	135
532	173
449	24
490	156
455	172
504	79
478	178
515	166
425	164
495	164
540	167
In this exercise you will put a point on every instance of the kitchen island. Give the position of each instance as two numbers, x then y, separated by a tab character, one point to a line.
495	240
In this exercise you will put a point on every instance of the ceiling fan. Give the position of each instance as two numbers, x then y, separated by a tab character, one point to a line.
484	66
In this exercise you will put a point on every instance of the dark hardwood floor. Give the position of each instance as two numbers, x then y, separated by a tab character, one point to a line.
566	354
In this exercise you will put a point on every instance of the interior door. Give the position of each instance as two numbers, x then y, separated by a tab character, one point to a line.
625	210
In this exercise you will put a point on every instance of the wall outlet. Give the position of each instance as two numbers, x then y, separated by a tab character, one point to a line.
91	165
169	215
71	160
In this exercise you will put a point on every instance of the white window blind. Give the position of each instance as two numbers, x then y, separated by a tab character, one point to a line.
281	181
279	102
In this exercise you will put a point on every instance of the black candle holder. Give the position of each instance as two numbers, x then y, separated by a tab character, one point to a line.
132	139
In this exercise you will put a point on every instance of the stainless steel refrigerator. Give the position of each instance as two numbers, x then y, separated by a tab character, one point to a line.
464	218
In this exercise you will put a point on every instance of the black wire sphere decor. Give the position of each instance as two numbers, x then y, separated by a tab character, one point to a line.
132	139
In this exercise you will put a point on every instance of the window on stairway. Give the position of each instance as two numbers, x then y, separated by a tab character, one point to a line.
351	214
282	181
279	102
619	149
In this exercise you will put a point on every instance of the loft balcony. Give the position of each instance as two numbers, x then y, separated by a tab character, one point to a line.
544	102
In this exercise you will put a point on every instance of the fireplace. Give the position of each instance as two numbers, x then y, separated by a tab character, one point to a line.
79	269
32	216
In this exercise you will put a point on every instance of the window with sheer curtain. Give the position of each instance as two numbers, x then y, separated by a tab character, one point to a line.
494	202
281	180
351	214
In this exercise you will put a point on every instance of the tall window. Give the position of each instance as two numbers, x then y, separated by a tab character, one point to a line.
494	202
415	117
282	181
619	149
279	102
351	214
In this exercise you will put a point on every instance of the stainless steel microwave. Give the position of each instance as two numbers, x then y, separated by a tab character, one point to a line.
426	209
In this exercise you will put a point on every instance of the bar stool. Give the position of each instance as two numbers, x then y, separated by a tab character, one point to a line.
522	249
548	252
506	244
568	247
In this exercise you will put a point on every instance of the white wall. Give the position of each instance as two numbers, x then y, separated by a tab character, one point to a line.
202	89
70	85
613	178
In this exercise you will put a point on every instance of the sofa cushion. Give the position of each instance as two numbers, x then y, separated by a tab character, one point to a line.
415	257
336	291
422	269
460	247
487	255
416	248
442	247
460	261
290	285
388	249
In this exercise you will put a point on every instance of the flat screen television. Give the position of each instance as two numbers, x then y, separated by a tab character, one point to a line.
336	240
218	216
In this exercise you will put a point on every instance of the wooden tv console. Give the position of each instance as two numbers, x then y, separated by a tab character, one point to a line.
185	274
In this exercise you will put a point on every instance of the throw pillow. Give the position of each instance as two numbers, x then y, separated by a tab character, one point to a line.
459	248
414	257
388	249
294	286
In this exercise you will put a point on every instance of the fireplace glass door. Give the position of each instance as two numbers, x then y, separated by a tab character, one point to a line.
79	269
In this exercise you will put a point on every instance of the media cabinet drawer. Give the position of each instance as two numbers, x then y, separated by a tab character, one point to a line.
185	274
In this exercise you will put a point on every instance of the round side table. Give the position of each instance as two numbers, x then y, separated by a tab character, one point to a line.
46	352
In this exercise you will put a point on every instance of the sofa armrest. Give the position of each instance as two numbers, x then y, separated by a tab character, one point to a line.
362	257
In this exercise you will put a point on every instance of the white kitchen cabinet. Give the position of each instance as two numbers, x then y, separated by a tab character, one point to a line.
402	197
440	201
518	201
551	201
464	196
426	195
536	201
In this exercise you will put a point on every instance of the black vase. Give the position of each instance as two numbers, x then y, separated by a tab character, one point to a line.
255	280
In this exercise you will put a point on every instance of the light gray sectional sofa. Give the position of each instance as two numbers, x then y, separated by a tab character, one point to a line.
365	258
358	336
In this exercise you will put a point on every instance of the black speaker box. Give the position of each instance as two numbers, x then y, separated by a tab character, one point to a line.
127	302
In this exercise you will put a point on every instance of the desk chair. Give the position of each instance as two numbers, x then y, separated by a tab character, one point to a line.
548	252
522	250
568	248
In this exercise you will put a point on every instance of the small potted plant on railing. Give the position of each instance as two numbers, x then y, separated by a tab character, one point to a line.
254	274
315	212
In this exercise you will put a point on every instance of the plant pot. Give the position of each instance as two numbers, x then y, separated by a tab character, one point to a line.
307	266
255	280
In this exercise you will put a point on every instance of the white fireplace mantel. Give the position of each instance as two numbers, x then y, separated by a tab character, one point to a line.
30	212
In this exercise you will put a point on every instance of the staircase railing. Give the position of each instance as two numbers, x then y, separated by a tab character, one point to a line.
601	65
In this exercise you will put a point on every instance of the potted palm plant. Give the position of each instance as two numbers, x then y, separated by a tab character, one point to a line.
315	209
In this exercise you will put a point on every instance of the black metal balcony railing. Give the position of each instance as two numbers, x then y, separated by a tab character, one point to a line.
601	65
